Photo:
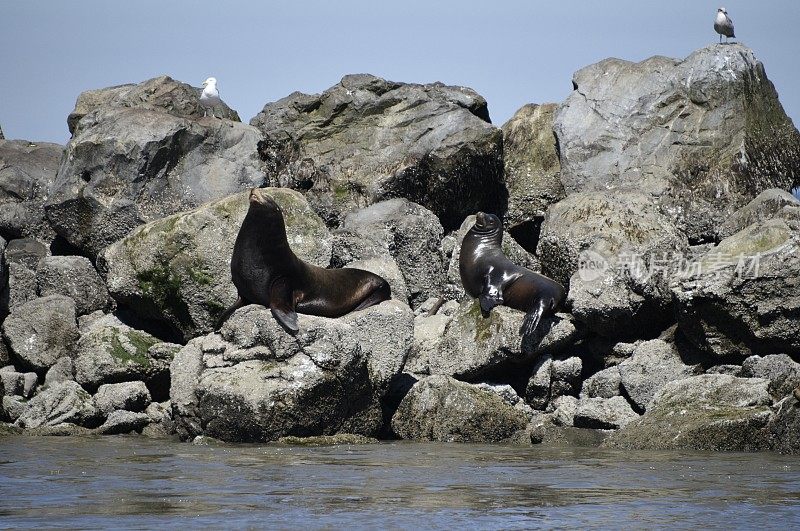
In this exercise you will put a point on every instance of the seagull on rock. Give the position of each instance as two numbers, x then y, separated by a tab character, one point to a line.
723	25
209	99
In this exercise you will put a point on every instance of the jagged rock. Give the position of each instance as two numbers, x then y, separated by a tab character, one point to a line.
121	421
255	382
74	277
510	397
785	426
400	229
21	258
706	412
41	331
26	171
532	169
603	413
145	155
780	370
651	366
742	296
602	384
112	352
177	270
11	381
766	205
367	139
701	136
62	370
733	370
611	249
62	402
12	407
440	408
130	396
162	94
564	408
514	251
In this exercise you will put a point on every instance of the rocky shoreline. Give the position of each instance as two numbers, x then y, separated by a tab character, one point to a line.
658	192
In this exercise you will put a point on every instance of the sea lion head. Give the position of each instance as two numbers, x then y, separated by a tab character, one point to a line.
265	211
487	225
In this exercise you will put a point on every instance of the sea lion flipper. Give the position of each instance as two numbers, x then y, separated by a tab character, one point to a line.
532	319
282	305
492	292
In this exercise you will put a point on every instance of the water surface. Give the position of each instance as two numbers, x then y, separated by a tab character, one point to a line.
133	482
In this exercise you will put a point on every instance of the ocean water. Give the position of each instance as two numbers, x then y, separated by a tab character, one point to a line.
133	482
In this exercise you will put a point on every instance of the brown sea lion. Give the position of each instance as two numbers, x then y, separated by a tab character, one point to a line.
266	271
487	274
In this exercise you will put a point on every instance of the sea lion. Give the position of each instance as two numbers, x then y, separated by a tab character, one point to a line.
487	274
266	271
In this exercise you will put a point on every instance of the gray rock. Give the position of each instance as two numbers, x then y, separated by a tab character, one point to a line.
74	277
651	366
366	139
428	334
706	412
21	260
742	297
135	161
615	251
29	382
440	408
565	377
785	427
62	402
41	331
537	392
733	370
701	136
62	370
602	384
780	370
510	397
532	168
603	413
26	171
5	356
12	382
121	421
255	382
177	270
130	396
13	406
764	206
159	412
564	408
405	231
111	352
162	93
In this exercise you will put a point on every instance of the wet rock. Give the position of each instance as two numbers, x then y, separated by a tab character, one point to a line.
26	171
367	139
112	352
701	136
742	297
62	370
532	168
121	421
602	384
706	412
616	252
764	206
440	408
780	370
405	231
130	396
177	270
603	413
651	366
62	402
138	160
74	277
255	382
41	331
21	258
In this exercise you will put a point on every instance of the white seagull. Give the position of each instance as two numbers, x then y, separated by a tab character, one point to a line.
723	25
209	99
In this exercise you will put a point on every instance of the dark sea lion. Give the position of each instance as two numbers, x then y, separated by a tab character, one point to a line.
266	271
487	274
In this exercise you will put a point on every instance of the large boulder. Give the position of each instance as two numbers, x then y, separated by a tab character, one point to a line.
255	382
782	372
177	270
743	296
706	412
60	403
41	331
603	413
74	277
21	258
615	251
766	205
130	162
367	139
532	168
440	408
130	396
701	136
27	170
402	230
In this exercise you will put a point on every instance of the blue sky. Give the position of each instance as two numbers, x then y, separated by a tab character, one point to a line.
512	52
